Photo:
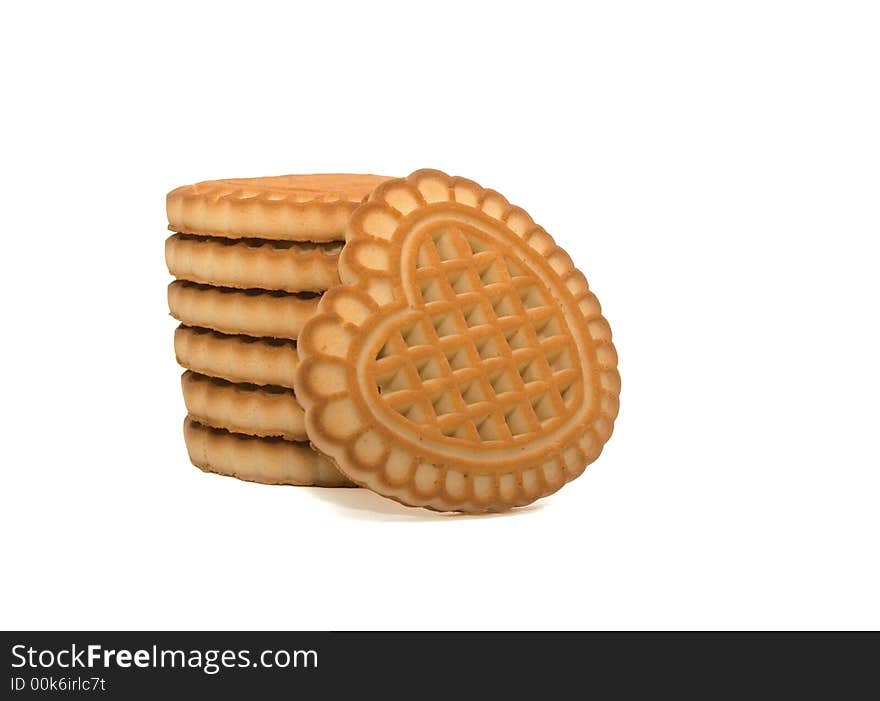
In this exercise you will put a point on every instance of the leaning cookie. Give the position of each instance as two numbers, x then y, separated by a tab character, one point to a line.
464	365
264	460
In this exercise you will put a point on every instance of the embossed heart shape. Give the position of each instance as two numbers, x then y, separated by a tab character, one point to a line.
466	364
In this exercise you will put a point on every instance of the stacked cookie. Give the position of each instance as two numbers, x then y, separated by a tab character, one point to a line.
251	258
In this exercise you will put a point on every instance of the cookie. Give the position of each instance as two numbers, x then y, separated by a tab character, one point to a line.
464	365
264	460
285	207
261	361
266	411
253	263
249	312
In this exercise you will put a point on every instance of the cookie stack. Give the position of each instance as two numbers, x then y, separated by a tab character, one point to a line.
251	258
449	355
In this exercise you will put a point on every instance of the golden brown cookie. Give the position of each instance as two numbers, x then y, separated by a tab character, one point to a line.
249	312
261	361
285	207
243	408
264	460
253	263
464	364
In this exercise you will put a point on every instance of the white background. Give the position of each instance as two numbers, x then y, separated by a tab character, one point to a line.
714	168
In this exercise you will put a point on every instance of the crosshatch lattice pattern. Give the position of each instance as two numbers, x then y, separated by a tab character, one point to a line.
486	356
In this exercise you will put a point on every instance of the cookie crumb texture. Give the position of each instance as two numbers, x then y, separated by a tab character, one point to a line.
464	364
